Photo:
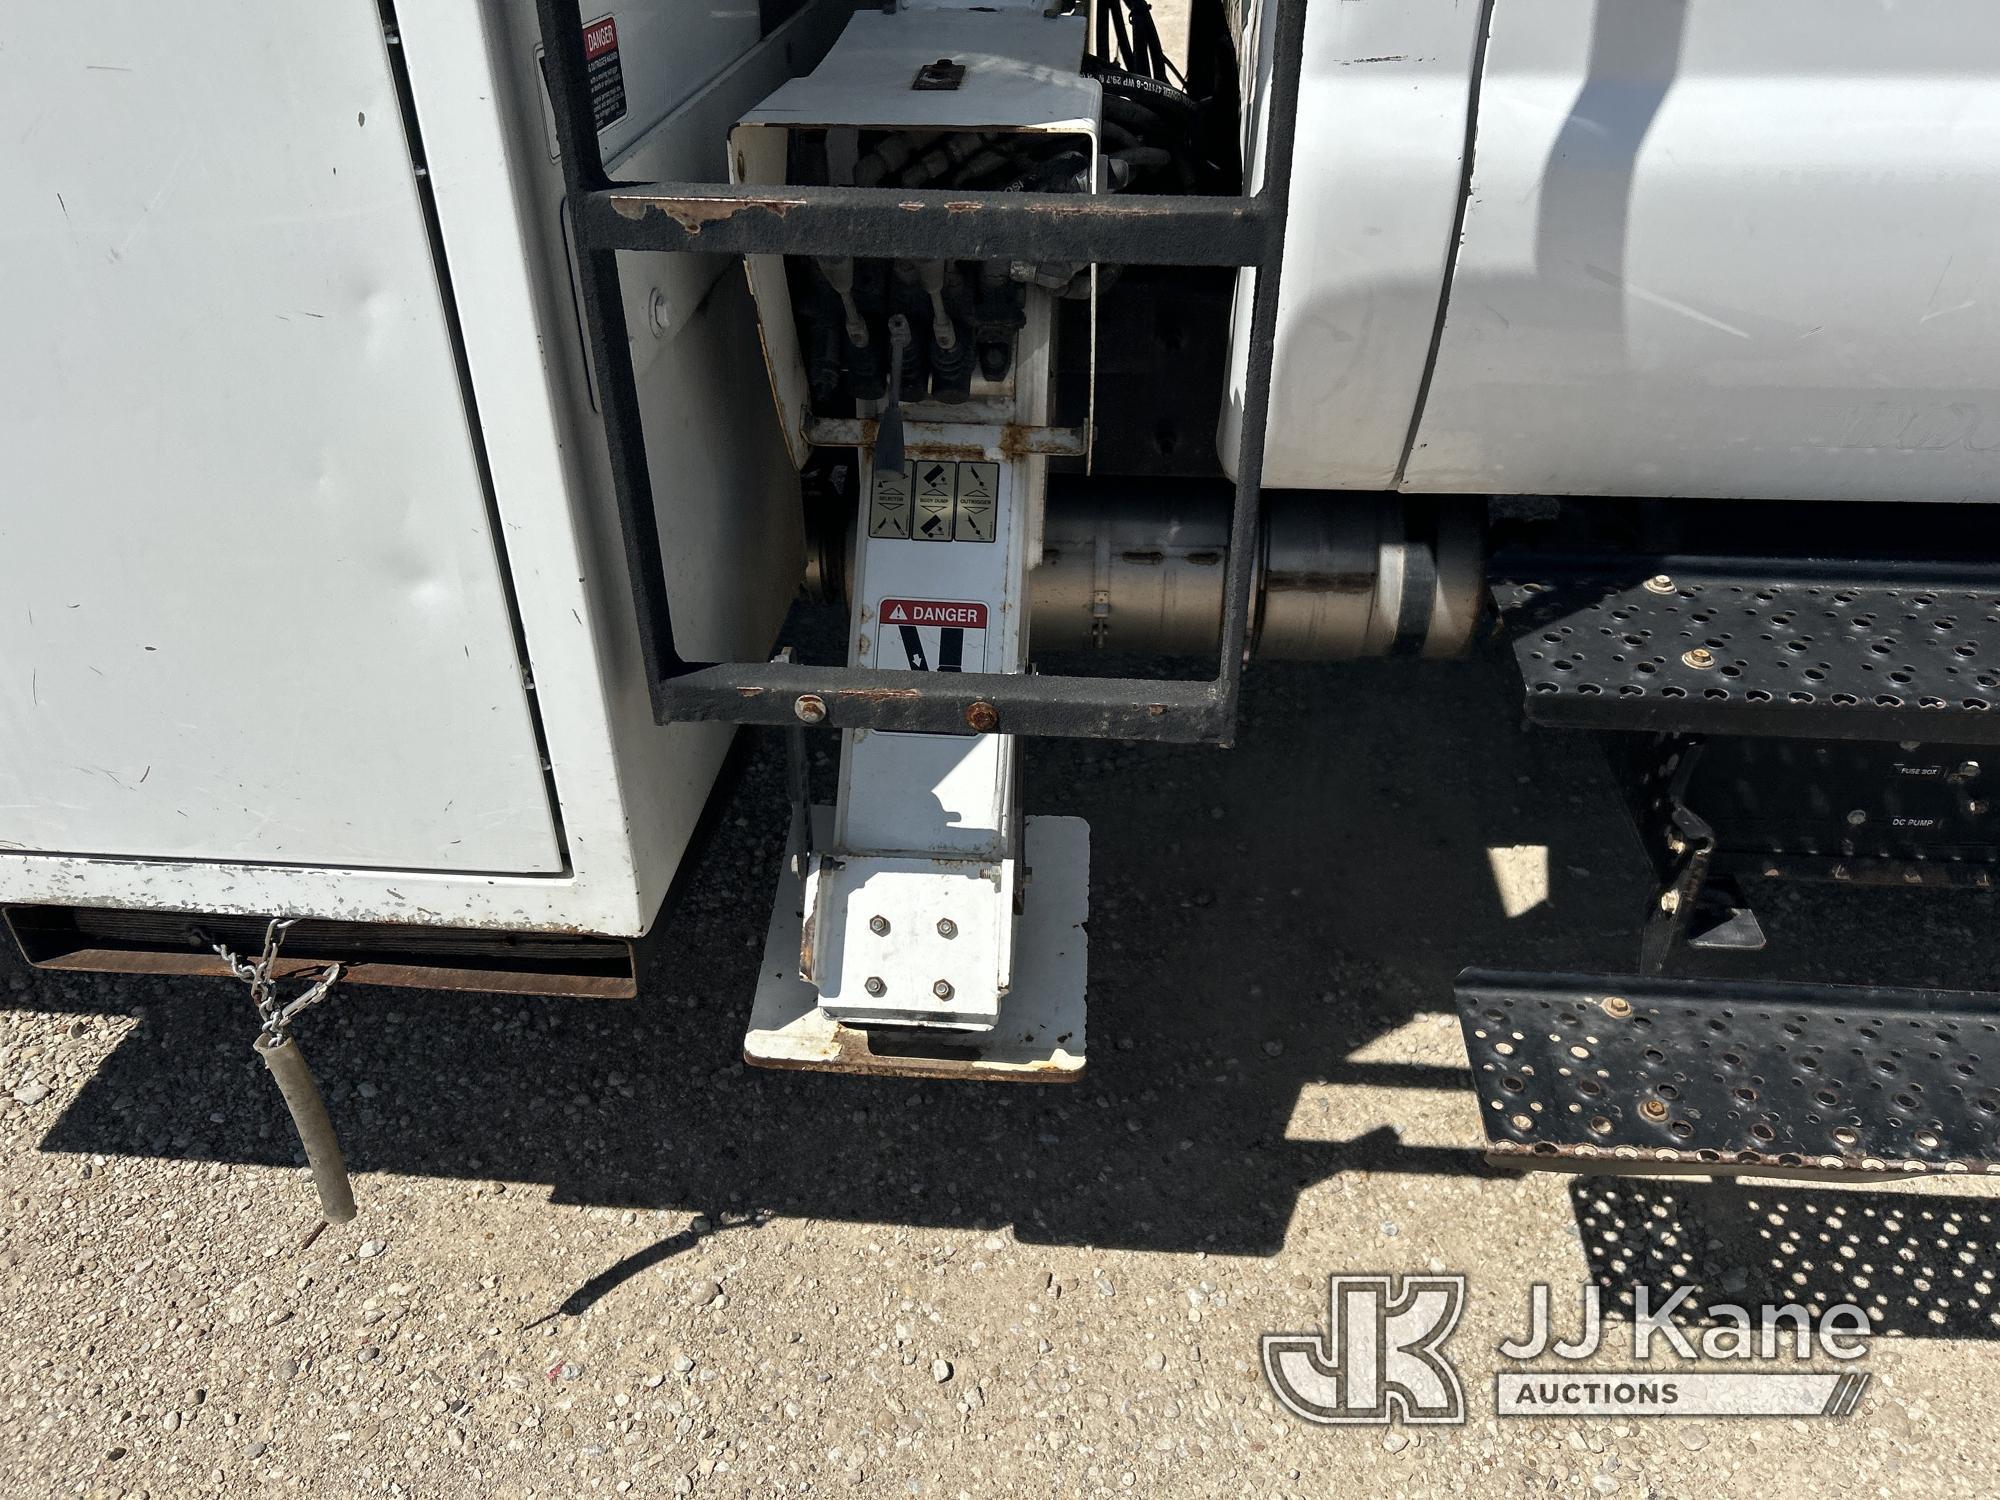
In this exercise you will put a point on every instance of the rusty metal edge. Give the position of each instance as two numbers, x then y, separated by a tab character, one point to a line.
1613	1160
932	223
856	1057
399	976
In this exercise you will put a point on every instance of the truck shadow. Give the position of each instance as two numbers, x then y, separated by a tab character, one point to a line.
1264	923
1921	1265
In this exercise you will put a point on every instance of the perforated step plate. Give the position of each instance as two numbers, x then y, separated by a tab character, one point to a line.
1757	648
1594	1072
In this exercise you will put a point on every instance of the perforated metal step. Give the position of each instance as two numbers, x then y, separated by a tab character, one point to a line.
1881	653
1602	1072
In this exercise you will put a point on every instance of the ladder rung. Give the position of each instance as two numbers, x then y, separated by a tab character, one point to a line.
1136	229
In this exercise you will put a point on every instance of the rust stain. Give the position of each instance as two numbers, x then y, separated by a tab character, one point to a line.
1016	441
696	214
1650	1158
848	1050
879	695
440	976
808	924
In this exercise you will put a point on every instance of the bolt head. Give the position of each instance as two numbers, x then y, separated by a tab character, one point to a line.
1660	583
982	717
1968	769
811	708
879	926
874	986
942	989
1701	658
947	928
1617	1006
1653	1109
1670	902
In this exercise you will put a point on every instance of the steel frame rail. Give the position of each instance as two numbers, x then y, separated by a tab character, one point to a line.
608	218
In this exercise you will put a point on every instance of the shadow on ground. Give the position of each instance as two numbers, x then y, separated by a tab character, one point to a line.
1259	916
1919	1264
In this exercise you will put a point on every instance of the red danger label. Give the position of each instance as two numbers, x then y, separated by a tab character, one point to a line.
932	612
600	37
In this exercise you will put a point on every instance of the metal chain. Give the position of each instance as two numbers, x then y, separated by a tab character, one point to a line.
276	1017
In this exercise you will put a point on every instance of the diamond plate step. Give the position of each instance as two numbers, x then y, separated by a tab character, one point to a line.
1600	1072
1755	647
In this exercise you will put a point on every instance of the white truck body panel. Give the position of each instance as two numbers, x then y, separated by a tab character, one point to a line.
254	610
1728	248
1377	175
413	534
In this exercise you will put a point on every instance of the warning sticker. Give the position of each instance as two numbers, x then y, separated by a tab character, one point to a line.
889	504
978	496
937	497
936	500
930	635
607	73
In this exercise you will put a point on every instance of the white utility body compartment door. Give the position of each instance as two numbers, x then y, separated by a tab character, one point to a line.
251	607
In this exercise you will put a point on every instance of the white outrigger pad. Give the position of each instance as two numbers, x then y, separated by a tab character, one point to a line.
1040	1034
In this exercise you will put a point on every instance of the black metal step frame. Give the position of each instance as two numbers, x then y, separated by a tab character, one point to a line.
756	219
1623	1073
1861	649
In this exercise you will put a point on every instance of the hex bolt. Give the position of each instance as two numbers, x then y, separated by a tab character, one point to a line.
1857	817
983	717
947	928
1968	769
1660	583
874	986
1617	1006
879	926
942	989
1653	1109
811	708
1670	902
1701	658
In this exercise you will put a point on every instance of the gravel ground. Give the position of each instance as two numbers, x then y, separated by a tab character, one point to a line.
598	1255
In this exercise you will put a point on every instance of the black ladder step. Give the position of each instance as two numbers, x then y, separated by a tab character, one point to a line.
1756	647
932	223
1602	1072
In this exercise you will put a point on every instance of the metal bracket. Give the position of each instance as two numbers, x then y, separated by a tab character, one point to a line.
606	219
1680	844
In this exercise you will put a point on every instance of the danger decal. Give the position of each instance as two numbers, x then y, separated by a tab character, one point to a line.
606	72
931	635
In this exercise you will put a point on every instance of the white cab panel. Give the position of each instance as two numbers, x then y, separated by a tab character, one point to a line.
250	607
1376	181
1728	248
